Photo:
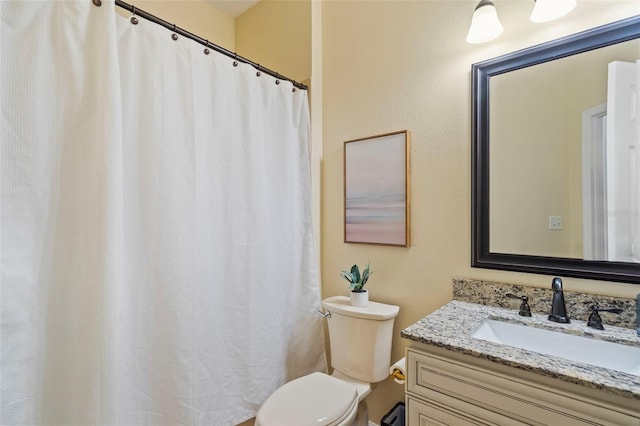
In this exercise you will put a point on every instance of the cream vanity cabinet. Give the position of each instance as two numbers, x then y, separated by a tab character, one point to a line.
445	387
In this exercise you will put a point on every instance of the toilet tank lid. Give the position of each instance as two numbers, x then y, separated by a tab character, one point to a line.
374	310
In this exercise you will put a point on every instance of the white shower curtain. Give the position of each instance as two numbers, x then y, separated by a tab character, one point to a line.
157	256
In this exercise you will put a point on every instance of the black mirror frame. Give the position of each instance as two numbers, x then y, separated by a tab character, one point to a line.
481	257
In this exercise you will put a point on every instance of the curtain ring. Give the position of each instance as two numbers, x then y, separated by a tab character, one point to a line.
258	73
134	20
235	57
174	36
206	48
97	3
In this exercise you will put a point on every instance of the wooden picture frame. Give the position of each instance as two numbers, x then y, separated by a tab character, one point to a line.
377	190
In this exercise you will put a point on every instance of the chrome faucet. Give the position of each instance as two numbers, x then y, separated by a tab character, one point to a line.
558	307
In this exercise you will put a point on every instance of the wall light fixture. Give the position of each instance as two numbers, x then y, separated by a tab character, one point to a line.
485	25
548	10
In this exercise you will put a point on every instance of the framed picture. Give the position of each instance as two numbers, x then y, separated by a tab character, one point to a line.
376	190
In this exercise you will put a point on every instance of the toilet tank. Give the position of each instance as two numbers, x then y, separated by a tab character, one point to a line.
360	338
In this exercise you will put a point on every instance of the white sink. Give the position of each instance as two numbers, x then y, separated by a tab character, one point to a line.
585	350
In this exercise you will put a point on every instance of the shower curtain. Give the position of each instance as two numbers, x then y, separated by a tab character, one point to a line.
157	257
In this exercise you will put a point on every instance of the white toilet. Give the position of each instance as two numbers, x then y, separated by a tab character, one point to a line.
360	341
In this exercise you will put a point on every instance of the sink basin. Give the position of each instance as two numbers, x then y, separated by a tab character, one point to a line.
580	349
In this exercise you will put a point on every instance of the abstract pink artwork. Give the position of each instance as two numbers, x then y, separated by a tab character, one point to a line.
376	190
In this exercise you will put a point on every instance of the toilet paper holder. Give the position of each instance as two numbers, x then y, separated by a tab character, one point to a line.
398	371
397	374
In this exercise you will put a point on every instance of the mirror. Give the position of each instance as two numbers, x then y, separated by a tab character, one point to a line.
556	157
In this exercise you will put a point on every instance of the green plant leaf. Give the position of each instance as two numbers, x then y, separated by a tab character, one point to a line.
355	273
365	274
347	276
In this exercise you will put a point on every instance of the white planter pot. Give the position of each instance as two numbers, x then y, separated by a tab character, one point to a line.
359	299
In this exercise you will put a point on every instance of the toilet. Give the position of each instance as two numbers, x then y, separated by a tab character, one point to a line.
360	340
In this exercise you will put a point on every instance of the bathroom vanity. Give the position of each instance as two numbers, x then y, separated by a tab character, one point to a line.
460	373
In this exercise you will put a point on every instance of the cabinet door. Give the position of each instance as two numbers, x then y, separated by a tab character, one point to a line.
425	413
482	393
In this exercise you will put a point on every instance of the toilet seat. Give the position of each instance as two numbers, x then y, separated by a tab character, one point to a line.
316	399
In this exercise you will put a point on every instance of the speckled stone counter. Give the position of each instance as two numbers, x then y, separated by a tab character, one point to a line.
578	304
451	326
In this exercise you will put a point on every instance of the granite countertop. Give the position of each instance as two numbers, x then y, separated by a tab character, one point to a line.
451	326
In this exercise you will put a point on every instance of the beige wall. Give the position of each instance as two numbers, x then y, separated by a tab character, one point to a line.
194	16
277	35
394	65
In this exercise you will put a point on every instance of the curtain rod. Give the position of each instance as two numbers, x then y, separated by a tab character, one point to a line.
207	43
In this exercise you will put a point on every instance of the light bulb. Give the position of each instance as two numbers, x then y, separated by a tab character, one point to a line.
485	25
548	10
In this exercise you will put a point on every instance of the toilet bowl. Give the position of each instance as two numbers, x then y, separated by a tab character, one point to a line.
313	400
360	340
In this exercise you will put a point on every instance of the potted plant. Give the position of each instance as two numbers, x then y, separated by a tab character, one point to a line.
359	296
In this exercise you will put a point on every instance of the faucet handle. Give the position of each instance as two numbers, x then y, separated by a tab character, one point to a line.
525	310
595	321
